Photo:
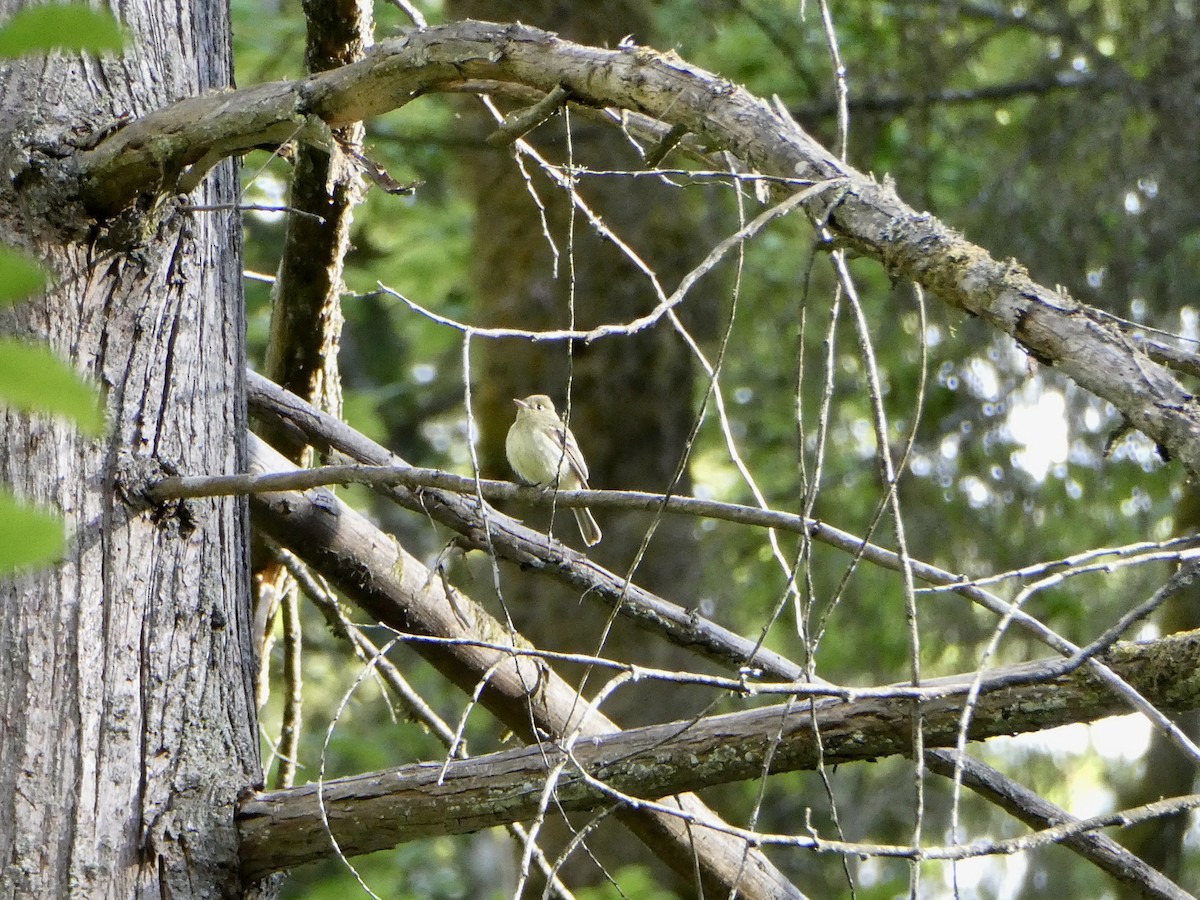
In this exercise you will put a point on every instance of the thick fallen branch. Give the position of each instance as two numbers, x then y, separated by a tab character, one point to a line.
372	811
172	148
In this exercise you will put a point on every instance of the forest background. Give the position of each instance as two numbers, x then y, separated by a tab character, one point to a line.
1062	137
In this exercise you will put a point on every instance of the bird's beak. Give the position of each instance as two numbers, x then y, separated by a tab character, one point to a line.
521	403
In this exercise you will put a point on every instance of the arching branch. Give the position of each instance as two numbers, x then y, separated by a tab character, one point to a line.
171	149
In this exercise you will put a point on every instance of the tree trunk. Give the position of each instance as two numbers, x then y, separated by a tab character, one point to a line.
127	726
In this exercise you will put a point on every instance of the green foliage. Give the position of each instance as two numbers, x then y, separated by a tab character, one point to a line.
20	276
1090	187
68	27
422	870
28	536
33	379
632	882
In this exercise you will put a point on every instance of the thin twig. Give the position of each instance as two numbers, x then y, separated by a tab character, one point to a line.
293	680
254	207
666	302
518	124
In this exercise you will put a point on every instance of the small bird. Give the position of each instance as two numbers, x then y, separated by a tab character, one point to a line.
542	451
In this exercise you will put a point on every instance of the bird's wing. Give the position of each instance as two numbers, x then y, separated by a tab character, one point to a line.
563	437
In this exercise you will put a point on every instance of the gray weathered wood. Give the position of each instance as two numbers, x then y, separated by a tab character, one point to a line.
379	809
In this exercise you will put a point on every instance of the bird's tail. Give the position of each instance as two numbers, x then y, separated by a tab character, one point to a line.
588	529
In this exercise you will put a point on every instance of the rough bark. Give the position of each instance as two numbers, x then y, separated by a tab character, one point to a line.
127	723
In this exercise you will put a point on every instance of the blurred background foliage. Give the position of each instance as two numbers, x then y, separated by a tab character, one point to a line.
1061	134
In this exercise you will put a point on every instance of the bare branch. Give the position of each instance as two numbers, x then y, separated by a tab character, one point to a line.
1183	361
511	540
520	123
394	587
293	701
665	305
354	568
411	802
1036	812
524	546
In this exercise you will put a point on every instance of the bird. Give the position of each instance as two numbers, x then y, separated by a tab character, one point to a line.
543	452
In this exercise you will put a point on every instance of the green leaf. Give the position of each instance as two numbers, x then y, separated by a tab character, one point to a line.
33	379
60	26
28	536
20	276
